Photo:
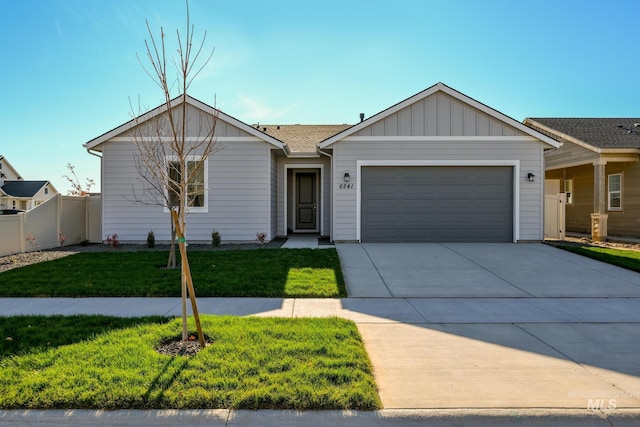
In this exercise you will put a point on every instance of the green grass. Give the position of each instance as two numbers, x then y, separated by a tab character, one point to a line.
252	363
620	257
257	273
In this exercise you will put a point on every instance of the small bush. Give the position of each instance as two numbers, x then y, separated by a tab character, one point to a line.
216	238
151	240
261	237
112	239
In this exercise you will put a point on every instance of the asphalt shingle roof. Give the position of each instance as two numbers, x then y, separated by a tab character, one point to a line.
23	188
597	132
302	138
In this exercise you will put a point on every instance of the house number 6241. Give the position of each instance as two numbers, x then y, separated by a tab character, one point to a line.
345	186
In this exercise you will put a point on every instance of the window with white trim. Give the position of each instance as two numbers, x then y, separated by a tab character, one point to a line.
196	178
615	192
568	190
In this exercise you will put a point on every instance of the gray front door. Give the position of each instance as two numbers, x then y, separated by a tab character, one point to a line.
437	204
306	201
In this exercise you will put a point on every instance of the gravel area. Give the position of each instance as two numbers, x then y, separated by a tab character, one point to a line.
20	260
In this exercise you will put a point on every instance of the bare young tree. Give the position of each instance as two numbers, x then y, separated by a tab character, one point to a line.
172	148
76	187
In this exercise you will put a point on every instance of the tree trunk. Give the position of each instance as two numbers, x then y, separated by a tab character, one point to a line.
187	286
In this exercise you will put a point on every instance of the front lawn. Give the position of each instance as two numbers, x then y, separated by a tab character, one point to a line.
620	257
252	363
256	273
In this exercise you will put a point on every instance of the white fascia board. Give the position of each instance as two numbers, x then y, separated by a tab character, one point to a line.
498	115
564	136
418	139
441	87
175	102
235	122
381	115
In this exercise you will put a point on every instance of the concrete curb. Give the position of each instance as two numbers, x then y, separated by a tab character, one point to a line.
382	418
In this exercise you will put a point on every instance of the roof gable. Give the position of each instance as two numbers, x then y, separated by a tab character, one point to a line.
23	189
225	126
7	170
439	111
591	133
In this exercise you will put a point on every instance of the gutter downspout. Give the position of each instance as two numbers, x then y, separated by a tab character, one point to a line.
332	192
101	195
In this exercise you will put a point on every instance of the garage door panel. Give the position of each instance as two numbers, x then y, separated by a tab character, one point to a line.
437	204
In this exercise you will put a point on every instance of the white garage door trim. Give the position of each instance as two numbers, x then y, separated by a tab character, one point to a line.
516	182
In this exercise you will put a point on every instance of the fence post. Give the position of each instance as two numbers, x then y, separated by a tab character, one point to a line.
58	217
22	238
86	218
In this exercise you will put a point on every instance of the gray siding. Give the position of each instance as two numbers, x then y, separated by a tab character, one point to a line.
529	153
439	115
326	183
238	195
198	124
569	154
273	163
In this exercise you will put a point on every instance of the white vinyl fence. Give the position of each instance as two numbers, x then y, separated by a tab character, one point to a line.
60	221
554	216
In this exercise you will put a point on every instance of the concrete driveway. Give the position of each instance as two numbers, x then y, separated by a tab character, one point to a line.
497	326
479	271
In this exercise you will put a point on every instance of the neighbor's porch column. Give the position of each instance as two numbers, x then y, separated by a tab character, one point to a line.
599	215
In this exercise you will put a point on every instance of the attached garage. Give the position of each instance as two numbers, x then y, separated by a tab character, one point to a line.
438	166
437	203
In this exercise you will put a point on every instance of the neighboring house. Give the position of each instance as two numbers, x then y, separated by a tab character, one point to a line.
436	167
598	169
16	193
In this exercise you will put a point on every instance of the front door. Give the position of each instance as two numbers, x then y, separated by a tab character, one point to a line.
306	201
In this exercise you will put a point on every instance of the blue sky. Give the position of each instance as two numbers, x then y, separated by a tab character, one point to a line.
69	67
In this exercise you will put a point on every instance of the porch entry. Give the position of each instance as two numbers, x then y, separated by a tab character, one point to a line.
306	201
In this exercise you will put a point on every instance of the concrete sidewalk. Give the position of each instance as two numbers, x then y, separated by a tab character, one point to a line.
557	357
464	335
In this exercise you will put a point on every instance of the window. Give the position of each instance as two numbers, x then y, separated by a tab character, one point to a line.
615	192
195	177
568	190
46	190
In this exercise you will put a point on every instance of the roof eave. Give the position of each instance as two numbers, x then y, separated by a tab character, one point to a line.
96	142
562	135
441	87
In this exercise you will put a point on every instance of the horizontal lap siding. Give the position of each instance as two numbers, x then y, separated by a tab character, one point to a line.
627	221
346	155
238	204
568	154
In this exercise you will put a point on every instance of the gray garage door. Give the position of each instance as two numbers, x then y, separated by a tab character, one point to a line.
437	204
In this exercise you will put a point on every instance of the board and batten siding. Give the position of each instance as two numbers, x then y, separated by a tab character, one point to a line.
198	124
528	152
238	195
439	115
